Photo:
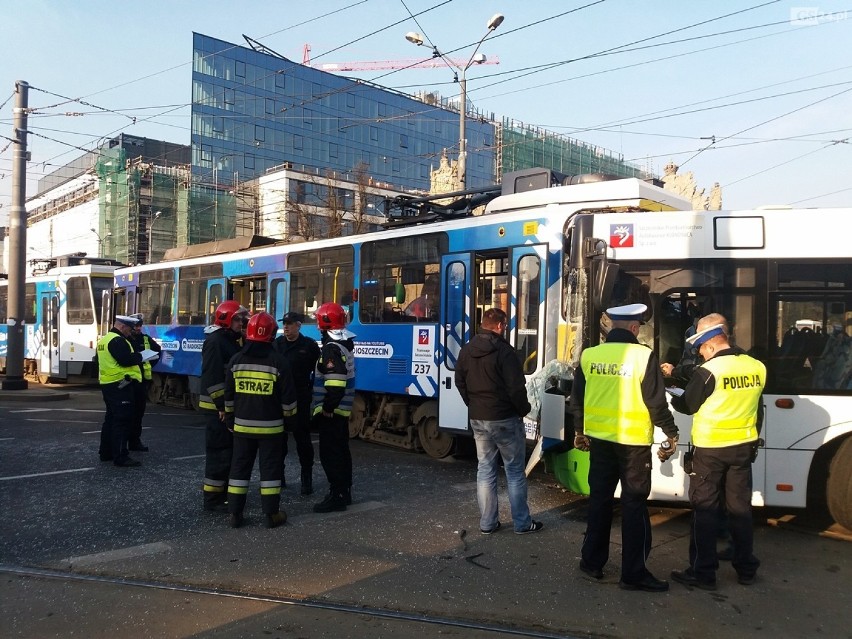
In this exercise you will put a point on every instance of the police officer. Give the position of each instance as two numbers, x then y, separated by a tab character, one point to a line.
220	345
334	392
618	396
119	374
259	397
141	342
302	354
724	397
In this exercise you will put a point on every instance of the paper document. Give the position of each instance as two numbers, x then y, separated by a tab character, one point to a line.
148	354
675	391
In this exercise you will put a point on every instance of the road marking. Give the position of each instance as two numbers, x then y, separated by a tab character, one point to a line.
91	432
31	410
64	421
188	457
6	439
113	555
53	472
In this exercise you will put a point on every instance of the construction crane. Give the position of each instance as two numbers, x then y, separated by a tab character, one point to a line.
380	65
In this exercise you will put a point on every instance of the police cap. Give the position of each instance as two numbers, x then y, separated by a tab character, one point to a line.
127	320
627	313
291	317
702	336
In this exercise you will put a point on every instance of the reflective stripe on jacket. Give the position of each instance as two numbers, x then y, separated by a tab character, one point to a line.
334	377
109	370
259	394
729	415
614	409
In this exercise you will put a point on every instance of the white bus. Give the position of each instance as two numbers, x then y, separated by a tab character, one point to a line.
783	279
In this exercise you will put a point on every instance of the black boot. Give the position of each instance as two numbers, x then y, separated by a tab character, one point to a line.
307	482
332	502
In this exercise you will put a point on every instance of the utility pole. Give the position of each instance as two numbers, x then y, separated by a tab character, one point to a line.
17	245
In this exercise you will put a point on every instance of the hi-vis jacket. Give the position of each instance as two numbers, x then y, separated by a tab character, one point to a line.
219	347
334	379
259	392
116	359
618	393
724	395
144	342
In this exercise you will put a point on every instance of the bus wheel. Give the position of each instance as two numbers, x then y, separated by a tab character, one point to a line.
435	443
839	488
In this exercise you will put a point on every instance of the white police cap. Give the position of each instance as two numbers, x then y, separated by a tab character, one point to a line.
627	313
127	319
702	336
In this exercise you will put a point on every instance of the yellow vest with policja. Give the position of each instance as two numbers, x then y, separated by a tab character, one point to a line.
613	407
146	366
729	416
109	370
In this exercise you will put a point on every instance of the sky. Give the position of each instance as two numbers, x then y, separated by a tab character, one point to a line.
755	95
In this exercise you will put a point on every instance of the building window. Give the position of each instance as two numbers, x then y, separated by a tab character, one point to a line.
383	109
259	133
218	125
395	165
350	100
249	161
229	96
308	117
297	142
240	69
206	157
269	106
332	150
403	141
374	134
279	79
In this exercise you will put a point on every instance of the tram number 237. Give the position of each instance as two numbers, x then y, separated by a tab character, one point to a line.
421	368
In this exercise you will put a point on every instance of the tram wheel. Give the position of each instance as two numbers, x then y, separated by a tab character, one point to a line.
155	389
43	378
839	488
435	443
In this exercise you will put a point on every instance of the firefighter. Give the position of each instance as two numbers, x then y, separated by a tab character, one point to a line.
221	343
334	392
259	397
119	374
141	342
302	354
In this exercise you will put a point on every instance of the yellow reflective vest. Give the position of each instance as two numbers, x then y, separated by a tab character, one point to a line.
109	370
613	407
146	366
729	415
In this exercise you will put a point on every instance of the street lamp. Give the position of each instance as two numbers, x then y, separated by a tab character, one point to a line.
151	235
415	38
101	241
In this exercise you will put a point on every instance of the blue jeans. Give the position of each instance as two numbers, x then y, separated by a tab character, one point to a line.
506	437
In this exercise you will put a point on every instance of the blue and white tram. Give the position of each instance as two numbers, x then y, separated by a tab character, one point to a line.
63	312
414	295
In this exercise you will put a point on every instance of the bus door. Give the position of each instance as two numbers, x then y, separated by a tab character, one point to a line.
49	360
278	289
217	291
454	331
526	311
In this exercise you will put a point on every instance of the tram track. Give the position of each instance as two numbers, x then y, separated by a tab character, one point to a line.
307	603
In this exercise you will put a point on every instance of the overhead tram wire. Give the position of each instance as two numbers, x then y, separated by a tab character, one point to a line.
817	197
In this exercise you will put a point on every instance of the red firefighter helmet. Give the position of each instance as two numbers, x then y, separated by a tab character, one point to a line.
226	311
330	317
261	328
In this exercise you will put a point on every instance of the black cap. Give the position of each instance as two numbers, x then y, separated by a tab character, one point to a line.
292	316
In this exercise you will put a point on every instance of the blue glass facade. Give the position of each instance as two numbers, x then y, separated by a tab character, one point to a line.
252	111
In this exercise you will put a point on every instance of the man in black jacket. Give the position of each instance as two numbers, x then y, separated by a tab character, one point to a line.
302	354
491	381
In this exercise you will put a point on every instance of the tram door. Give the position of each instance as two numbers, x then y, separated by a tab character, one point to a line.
216	291
49	361
454	331
278	288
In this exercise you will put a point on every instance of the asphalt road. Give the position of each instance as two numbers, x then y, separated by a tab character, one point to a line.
91	550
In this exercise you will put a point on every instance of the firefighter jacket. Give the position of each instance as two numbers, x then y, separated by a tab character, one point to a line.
618	393
490	378
724	395
116	359
219	347
334	378
259	392
142	342
302	354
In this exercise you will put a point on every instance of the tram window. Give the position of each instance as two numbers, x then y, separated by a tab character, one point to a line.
156	296
4	296
400	279
99	286
192	296
491	289
250	292
216	298
29	304
79	301
45	313
526	326
277	297
456	276
321	276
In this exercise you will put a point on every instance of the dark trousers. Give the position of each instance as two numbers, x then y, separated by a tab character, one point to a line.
631	465
217	466
140	400
721	479
334	452
269	451
118	420
302	434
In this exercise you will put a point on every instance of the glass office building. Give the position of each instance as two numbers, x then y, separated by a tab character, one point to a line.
253	110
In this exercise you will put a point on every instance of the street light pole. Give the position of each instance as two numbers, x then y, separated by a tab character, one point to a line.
101	241
151	236
461	167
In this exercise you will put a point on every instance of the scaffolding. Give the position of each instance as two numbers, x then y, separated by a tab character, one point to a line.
521	146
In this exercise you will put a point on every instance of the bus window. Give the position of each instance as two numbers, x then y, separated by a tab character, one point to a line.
400	279
317	277
79	301
156	296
